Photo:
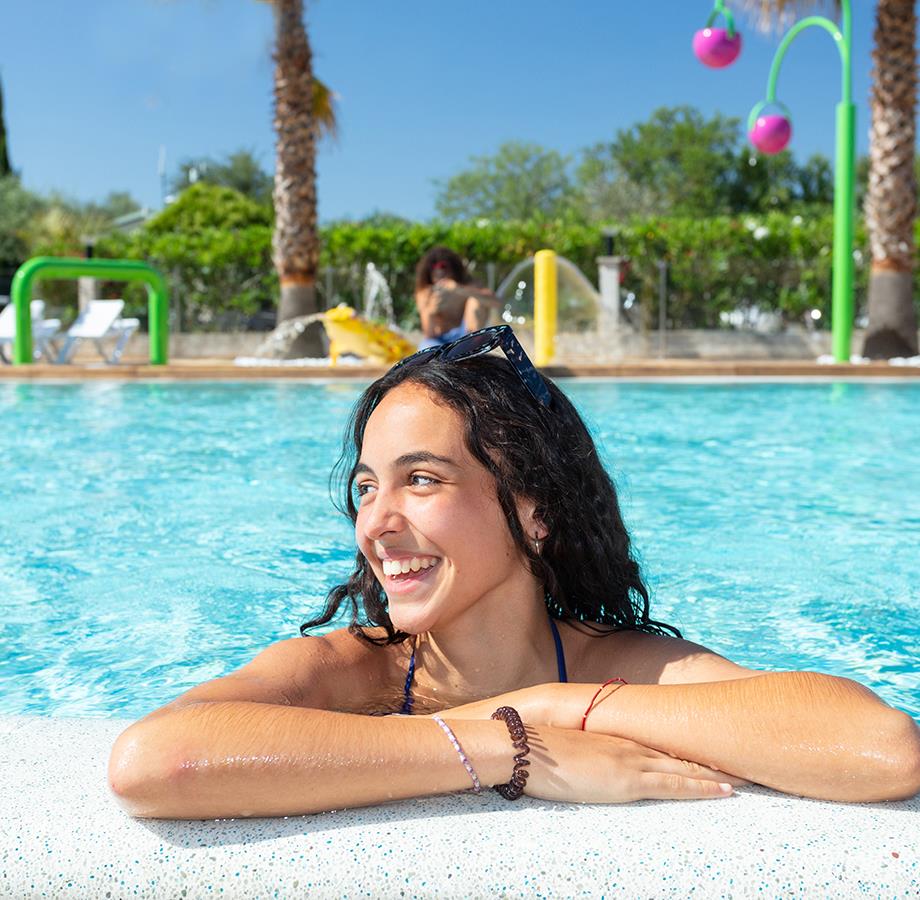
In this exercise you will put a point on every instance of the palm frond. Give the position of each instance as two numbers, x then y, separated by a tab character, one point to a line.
776	15
325	114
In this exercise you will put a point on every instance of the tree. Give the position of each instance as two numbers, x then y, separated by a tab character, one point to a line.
18	207
816	180
304	112
519	182
763	183
604	194
240	170
683	162
5	167
116	203
891	200
295	242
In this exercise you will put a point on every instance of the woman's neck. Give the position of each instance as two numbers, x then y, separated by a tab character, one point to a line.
493	648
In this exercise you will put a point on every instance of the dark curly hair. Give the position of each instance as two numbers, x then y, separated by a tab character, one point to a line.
447	259
543	454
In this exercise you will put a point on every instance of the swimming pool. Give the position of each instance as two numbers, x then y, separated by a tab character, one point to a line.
156	535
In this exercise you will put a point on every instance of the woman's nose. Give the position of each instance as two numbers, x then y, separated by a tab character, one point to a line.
382	515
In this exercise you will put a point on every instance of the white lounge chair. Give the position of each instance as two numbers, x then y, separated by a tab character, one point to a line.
43	330
98	321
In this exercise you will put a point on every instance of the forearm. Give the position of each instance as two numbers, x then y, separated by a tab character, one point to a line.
236	759
799	732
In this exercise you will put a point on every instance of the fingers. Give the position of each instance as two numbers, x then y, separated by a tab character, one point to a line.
695	770
671	786
660	762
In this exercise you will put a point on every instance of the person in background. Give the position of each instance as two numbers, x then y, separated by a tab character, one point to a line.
449	305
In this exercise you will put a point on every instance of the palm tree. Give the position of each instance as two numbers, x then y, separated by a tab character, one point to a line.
295	243
304	110
891	201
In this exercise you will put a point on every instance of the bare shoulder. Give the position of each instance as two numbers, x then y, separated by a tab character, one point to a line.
643	658
331	671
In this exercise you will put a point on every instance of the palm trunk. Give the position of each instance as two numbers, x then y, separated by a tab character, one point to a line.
891	202
295	243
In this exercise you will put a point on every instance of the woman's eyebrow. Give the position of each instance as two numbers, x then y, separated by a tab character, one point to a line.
409	459
423	456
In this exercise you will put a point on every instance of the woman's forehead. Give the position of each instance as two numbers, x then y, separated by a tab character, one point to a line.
411	417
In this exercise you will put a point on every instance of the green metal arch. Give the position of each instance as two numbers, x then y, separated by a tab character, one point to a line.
68	268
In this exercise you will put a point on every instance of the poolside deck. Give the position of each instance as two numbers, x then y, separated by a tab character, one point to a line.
225	370
67	837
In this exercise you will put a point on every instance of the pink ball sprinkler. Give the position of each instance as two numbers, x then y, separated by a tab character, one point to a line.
770	133
717	47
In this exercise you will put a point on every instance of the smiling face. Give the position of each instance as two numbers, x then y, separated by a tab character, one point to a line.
429	521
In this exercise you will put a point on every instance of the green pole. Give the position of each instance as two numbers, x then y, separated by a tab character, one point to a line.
69	269
844	184
844	170
720	10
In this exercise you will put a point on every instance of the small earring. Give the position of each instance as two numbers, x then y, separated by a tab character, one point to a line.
536	545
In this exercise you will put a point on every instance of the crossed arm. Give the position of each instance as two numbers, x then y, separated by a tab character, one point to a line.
798	732
264	741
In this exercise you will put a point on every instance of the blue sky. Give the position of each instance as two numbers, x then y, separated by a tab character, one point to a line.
93	89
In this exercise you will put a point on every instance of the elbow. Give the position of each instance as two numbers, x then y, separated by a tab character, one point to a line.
138	775
908	767
900	749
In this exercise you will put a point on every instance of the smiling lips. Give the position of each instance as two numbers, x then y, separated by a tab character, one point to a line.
402	566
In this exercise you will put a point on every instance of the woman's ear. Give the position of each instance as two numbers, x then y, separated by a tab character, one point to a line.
533	525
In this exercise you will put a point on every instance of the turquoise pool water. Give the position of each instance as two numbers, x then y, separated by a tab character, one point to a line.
156	535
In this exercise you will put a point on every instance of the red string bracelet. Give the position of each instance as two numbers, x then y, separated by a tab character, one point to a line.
584	718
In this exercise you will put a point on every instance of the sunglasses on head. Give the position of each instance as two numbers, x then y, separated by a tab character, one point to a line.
483	341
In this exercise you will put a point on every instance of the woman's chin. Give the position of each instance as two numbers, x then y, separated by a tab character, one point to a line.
409	622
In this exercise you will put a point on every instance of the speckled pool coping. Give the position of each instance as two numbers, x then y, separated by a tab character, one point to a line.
211	370
63	835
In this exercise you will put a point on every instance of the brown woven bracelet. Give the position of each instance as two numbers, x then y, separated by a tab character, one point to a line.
514	788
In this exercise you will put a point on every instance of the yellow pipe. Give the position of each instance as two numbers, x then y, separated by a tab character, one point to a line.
544	306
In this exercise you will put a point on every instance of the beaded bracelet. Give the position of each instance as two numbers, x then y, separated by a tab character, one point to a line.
584	718
515	787
477	787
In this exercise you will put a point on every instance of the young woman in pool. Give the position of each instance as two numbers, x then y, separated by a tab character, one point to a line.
494	572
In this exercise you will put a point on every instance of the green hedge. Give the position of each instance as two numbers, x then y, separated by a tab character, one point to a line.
215	247
776	262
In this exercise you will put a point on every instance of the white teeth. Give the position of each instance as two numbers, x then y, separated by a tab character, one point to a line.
403	566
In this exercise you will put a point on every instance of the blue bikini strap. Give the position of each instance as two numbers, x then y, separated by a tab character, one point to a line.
560	665
560	655
407	691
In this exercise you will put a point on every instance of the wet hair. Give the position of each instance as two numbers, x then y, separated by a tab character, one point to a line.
445	257
542	454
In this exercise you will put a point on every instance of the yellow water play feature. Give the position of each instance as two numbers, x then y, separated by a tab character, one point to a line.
350	333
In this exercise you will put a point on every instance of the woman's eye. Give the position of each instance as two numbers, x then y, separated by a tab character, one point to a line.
422	480
362	489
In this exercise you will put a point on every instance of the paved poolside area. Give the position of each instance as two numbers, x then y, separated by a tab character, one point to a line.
70	839
222	369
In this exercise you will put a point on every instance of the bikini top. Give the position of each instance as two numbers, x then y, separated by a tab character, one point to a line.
560	665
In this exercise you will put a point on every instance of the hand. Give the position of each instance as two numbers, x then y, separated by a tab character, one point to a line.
584	767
